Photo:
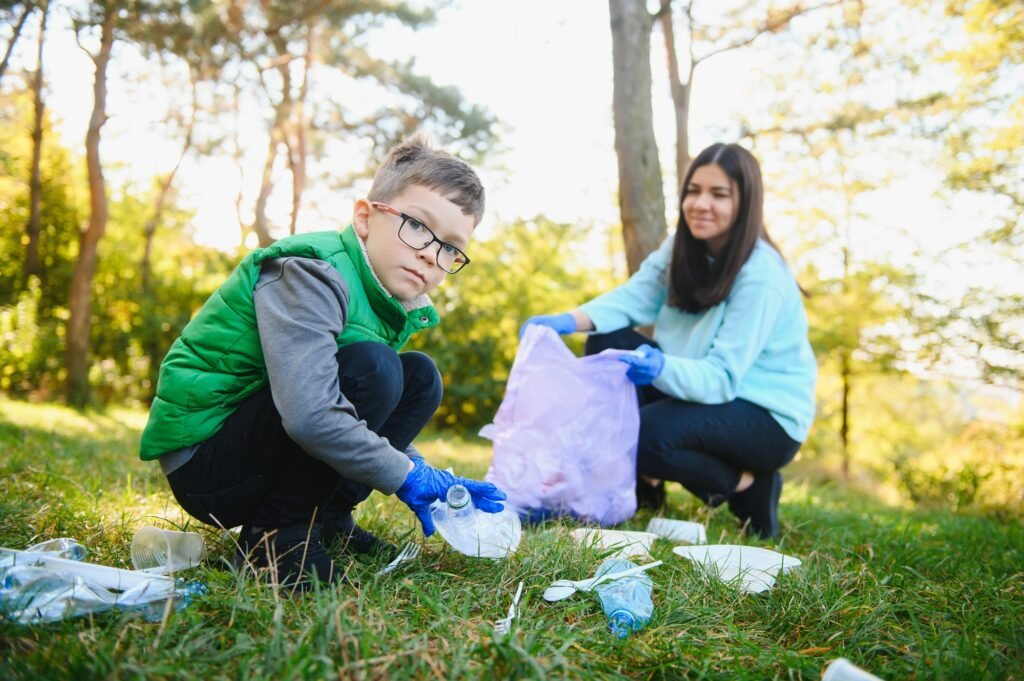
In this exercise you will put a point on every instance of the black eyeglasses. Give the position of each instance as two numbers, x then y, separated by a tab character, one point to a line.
415	234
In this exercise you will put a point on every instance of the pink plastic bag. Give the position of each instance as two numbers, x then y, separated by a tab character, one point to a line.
565	434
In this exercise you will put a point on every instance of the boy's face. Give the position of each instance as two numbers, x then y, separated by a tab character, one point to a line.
405	271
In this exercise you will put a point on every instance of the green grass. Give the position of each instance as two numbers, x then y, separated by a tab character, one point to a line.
903	593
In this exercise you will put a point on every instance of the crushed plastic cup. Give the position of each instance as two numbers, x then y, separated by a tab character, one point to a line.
160	552
678	530
841	669
628	544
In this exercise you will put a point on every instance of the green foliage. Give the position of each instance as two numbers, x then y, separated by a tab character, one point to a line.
903	593
132	326
524	268
980	470
984	150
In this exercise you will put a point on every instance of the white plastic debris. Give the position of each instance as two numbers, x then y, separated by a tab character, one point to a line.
40	586
754	569
678	530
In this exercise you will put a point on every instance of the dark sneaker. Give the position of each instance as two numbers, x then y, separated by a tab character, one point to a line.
758	505
354	539
648	496
295	552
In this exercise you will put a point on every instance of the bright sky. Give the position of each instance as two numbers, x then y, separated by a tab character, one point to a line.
543	68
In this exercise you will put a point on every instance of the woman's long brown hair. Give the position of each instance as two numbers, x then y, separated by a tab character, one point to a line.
696	282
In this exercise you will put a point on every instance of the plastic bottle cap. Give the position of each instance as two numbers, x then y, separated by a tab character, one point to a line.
621	622
457	496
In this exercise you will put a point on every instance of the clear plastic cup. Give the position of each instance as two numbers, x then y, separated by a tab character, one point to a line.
842	669
160	551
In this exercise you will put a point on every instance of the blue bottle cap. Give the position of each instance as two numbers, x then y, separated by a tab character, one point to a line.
621	622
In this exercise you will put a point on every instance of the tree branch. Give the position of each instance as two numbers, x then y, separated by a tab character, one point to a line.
772	24
29	7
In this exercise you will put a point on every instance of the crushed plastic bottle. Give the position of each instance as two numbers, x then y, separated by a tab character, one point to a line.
64	547
627	601
41	584
473	532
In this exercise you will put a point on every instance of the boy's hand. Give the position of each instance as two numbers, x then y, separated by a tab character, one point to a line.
644	365
425	484
560	323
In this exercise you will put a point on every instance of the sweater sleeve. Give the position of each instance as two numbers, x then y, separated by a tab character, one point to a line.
638	301
301	308
751	311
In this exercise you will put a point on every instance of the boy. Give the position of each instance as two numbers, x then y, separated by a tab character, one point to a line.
285	400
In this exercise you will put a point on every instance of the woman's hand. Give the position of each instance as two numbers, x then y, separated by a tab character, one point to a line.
645	364
560	323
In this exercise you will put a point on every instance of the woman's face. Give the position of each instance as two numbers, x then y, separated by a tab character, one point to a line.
710	202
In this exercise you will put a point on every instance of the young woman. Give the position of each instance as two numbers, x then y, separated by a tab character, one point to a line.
727	385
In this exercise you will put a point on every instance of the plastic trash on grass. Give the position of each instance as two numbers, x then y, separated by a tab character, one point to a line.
472	532
625	543
753	568
678	530
41	586
627	601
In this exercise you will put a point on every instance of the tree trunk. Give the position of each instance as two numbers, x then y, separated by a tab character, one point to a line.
33	266
680	92
844	425
641	199
29	6
79	323
165	190
297	148
259	224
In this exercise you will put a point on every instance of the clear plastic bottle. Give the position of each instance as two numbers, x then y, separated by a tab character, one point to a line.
461	510
64	547
472	532
626	602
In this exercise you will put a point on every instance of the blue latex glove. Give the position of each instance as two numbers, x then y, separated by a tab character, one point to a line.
561	323
643	369
425	484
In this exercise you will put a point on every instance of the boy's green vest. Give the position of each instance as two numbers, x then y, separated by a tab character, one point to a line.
217	361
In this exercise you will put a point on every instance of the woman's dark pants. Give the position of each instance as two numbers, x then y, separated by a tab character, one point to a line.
705	447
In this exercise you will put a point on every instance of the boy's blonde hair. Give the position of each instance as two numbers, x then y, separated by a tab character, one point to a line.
413	161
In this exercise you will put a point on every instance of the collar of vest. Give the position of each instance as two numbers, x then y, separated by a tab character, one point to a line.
386	306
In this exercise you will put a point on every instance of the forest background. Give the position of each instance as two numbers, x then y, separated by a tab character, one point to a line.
890	134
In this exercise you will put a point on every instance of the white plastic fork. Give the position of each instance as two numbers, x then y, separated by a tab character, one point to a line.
408	552
504	625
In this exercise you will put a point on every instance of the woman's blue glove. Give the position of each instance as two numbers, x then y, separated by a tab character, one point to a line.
645	366
561	323
425	484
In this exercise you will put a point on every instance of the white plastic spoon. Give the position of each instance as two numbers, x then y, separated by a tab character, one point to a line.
563	588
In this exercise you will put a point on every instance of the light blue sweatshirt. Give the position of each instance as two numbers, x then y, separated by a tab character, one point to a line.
753	345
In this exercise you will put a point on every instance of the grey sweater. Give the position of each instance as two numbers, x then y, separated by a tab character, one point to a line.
301	308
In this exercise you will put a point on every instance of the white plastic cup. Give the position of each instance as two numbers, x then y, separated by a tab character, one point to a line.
842	669
160	551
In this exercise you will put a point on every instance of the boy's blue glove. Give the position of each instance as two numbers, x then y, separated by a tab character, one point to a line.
561	323
425	484
644	367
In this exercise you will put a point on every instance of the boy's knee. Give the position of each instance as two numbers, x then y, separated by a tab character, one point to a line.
370	360
422	370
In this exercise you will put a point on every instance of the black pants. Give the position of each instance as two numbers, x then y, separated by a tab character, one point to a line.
252	473
705	447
